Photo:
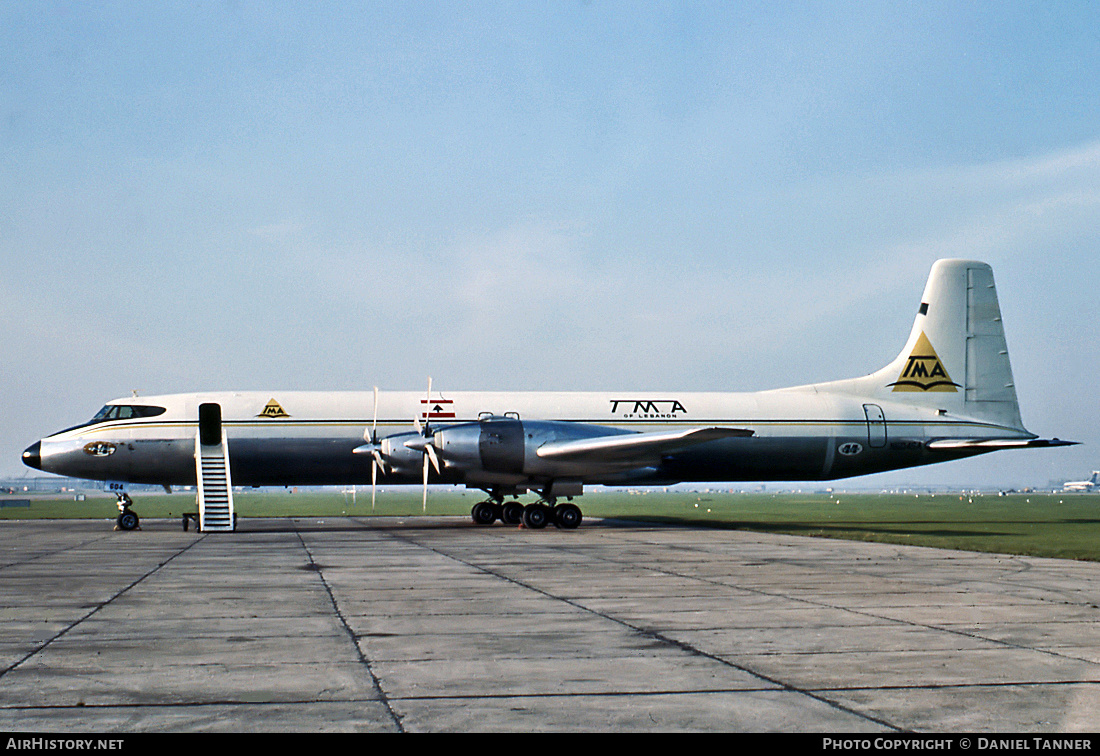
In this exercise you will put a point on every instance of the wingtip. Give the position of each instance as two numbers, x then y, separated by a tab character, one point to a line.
993	444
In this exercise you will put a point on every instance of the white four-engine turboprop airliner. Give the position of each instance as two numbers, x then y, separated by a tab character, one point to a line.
948	394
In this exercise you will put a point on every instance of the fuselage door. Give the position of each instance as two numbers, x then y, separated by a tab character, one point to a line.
876	426
210	424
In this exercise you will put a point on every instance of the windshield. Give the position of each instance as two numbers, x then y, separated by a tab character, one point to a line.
125	412
119	412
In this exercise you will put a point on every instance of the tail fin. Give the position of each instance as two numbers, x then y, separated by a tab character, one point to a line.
956	358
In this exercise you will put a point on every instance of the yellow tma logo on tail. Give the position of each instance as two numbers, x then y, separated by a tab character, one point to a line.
924	370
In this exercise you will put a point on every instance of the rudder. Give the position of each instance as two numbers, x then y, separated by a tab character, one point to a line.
956	357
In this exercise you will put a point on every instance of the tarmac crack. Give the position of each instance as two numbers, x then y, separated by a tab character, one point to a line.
858	612
655	635
53	552
95	609
706	691
319	570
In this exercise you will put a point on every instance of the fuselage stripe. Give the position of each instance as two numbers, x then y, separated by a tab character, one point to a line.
859	423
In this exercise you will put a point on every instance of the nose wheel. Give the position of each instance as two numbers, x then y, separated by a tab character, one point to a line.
127	519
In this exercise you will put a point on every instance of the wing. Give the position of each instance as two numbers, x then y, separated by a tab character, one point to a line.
630	446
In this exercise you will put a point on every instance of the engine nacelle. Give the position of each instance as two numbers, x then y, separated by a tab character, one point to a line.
400	457
494	444
498	449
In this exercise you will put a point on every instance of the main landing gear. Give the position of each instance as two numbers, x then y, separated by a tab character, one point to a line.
126	520
534	516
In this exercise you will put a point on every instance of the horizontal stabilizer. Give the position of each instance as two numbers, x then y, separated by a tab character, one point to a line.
628	446
992	444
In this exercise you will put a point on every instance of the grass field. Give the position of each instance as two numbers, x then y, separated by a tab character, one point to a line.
1053	525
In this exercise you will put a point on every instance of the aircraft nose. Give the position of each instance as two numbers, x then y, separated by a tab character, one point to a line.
32	457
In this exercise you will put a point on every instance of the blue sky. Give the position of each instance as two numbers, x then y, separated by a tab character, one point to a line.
554	195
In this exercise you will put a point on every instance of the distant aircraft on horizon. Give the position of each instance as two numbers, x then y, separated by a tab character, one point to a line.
948	394
1092	484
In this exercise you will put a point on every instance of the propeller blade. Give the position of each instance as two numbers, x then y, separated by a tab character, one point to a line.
425	445
425	483
427	411
430	450
374	423
376	454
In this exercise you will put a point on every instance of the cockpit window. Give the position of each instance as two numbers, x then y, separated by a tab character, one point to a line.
126	412
119	412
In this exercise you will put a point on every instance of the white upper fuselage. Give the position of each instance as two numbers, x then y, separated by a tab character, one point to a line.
797	411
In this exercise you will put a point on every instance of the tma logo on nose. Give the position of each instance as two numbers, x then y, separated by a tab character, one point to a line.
924	371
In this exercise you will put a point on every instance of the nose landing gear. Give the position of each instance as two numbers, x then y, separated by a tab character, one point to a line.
127	519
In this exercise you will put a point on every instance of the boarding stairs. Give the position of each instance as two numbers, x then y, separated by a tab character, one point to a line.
215	486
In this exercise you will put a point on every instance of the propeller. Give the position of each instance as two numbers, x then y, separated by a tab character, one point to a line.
374	448
424	443
376	454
